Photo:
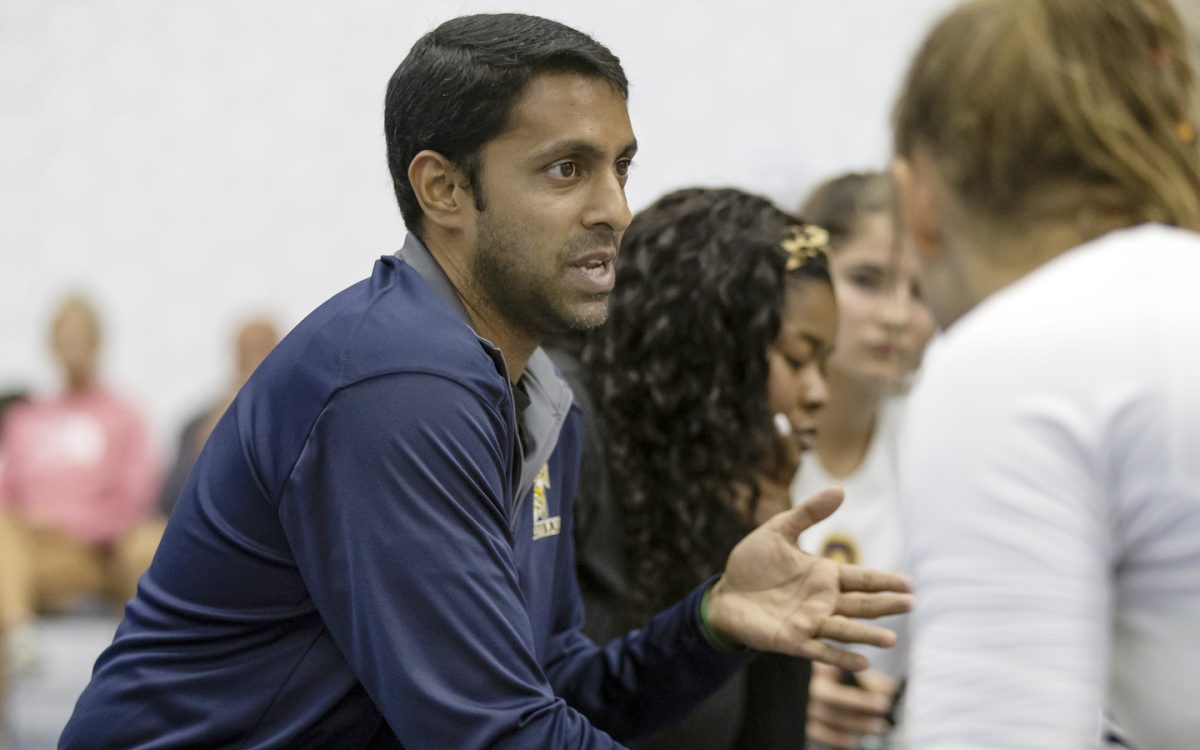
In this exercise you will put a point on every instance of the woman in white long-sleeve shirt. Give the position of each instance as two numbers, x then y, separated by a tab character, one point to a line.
1050	176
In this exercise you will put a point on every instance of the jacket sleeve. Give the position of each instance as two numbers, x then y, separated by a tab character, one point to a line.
640	681
647	679
397	516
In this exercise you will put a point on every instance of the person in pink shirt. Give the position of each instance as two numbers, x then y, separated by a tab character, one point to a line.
77	486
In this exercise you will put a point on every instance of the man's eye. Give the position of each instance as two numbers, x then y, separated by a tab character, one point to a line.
566	170
623	166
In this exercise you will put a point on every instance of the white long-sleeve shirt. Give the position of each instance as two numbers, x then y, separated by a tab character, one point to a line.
1051	488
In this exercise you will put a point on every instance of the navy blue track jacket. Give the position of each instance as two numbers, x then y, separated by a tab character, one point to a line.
366	555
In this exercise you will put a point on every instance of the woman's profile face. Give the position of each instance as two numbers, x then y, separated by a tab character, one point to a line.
796	386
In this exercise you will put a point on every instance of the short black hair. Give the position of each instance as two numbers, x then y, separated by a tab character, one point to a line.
455	90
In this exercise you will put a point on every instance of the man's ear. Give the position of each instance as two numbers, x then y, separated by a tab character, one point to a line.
919	211
442	190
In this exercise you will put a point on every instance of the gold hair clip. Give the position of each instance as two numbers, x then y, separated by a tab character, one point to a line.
1185	131
804	243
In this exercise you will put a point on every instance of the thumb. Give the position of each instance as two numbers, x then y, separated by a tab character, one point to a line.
878	682
791	523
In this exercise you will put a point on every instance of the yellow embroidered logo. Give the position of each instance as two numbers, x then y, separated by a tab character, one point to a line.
544	524
840	548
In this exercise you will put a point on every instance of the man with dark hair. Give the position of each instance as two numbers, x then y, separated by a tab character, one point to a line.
374	548
482	65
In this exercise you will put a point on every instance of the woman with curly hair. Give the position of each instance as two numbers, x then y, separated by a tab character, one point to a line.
701	392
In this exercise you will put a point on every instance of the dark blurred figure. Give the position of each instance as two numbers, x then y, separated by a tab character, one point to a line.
76	489
254	341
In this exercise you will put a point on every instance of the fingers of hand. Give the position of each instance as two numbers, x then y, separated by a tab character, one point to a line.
830	654
880	683
839	714
824	670
816	731
838	628
856	578
836	699
873	605
816	508
853	723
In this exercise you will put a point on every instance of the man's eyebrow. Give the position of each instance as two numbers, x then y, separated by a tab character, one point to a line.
579	148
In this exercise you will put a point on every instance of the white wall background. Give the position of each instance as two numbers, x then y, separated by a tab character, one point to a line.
190	163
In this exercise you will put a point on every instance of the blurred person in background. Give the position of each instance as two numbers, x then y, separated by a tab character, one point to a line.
1049	174
883	327
77	488
253	341
719	328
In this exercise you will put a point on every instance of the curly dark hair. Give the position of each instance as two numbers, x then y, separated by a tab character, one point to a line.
679	375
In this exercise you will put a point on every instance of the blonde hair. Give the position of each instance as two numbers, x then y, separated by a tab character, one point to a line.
1043	108
841	203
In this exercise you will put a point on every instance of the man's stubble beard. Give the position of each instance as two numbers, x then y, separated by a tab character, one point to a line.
504	274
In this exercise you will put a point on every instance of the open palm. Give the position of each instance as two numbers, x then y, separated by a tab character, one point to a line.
775	597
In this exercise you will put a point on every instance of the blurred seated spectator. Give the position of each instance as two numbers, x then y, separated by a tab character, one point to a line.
76	490
254	341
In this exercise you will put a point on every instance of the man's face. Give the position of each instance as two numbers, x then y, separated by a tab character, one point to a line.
555	208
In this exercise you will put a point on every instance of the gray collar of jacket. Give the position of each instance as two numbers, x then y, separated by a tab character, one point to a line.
549	396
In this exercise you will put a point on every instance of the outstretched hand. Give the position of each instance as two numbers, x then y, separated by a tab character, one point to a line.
775	597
